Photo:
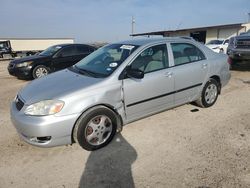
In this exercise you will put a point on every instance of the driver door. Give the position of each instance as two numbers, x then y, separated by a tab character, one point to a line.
154	92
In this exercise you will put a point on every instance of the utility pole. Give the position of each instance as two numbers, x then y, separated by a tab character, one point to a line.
133	25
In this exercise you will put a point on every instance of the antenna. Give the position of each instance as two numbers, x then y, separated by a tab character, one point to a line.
133	25
179	25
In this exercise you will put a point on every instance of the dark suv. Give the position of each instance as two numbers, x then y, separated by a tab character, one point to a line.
239	48
50	60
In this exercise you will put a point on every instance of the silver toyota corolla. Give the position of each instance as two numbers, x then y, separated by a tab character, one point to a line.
117	84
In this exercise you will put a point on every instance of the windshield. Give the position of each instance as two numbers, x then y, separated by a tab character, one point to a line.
215	42
105	60
3	45
50	51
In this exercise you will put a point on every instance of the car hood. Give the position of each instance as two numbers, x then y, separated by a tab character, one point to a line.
28	58
211	46
56	86
244	36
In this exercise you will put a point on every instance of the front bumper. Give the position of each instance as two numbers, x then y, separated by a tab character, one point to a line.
54	130
22	72
239	54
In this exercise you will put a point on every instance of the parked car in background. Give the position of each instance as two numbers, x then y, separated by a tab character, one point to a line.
115	85
50	60
218	45
239	48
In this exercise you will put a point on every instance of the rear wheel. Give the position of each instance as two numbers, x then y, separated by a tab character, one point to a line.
40	71
209	94
95	128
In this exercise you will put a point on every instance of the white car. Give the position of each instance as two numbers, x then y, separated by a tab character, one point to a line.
218	45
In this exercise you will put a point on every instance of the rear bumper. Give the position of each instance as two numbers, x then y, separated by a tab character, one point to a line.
225	78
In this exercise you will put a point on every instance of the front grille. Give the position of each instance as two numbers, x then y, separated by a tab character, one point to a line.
243	43
19	103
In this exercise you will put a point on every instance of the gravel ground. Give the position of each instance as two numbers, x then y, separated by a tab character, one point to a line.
182	147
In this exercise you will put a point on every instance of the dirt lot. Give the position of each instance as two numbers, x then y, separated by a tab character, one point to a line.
176	148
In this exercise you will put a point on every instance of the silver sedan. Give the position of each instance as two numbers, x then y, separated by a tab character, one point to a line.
115	85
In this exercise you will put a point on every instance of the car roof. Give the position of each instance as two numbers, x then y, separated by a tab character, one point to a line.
141	42
70	44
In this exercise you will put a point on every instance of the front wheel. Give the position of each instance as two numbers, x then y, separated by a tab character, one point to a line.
209	94
40	71
95	128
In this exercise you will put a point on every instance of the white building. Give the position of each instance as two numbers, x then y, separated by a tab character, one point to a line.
204	34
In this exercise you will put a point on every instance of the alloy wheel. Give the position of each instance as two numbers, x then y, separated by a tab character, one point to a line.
98	130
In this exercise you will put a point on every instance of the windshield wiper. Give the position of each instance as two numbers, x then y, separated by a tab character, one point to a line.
89	73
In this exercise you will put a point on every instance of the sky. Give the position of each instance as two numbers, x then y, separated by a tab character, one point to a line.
110	20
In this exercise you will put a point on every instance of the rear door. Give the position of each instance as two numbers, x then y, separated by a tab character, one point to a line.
153	92
190	71
66	57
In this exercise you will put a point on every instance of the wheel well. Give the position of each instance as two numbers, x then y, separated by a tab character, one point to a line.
217	78
119	118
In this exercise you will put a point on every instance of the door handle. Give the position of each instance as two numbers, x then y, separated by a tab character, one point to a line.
169	74
204	65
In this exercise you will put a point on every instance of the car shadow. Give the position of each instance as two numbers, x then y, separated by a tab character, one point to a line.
110	166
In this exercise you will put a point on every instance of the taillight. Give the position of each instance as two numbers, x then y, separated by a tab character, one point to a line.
229	61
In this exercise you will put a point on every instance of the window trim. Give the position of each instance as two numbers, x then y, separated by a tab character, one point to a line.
189	61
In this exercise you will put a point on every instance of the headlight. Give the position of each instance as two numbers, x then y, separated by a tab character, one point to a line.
25	64
44	108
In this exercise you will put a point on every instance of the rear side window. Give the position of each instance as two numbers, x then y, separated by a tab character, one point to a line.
68	51
82	49
186	53
91	49
152	59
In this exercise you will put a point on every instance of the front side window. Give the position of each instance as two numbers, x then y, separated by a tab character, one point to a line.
152	59
51	50
105	60
185	53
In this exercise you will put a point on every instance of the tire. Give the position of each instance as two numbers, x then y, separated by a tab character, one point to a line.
209	94
95	128
40	71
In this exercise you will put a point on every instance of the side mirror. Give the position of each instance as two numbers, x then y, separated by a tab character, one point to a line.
135	73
